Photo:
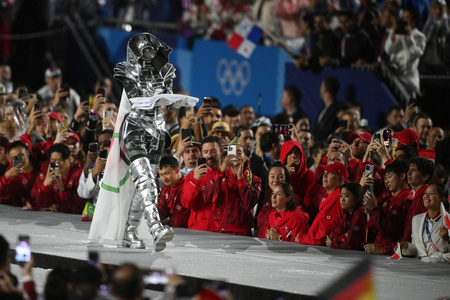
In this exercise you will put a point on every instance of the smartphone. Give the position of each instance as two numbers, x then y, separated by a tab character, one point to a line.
23	250
185	132
93	258
53	166
91	100
65	88
108	114
93	147
103	154
231	150
63	126
23	92
17	160
387	137
201	161
38	106
207	101
189	111
32	97
369	169
101	91
377	137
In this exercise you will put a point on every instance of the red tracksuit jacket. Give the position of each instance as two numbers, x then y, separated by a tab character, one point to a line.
17	190
197	196
169	205
68	201
330	212
415	209
302	180
388	220
350	233
233	201
289	223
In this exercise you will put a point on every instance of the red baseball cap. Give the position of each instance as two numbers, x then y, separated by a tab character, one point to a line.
55	116
407	137
335	167
74	136
365	136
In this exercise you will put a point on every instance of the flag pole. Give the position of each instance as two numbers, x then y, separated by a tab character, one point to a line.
279	43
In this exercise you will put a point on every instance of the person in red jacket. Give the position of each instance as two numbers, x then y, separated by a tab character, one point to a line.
17	182
350	232
277	174
388	215
421	170
288	219
198	189
237	192
169	203
330	211
302	178
56	186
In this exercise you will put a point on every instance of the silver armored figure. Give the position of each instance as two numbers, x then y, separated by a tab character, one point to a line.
146	73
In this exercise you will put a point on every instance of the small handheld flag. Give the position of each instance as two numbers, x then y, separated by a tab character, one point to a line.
398	253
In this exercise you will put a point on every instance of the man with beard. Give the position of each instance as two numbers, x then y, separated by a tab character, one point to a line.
395	120
199	186
245	138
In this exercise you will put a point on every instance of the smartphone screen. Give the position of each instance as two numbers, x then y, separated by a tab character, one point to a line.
23	250
387	137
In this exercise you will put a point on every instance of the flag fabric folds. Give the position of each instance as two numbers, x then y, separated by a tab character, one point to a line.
245	37
358	283
398	253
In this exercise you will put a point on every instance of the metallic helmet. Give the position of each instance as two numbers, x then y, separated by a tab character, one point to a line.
147	47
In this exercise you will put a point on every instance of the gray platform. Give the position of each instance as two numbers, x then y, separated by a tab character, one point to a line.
285	267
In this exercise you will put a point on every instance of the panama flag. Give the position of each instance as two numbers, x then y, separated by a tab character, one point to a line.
445	217
398	253
245	37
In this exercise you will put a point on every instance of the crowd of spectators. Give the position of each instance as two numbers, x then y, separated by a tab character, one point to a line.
333	182
53	158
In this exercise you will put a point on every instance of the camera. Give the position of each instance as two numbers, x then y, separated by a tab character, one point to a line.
23	250
93	258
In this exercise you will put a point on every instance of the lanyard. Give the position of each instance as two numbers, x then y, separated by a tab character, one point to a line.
429	234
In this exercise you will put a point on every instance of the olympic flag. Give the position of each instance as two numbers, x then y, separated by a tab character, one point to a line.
245	37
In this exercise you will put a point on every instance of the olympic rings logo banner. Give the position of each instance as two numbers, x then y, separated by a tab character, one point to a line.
233	76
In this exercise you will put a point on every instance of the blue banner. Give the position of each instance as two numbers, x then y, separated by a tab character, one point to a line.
217	70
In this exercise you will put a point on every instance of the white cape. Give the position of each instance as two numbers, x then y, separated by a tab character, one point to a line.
116	190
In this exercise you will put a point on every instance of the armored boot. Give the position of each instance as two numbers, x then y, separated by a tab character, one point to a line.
161	234
130	238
